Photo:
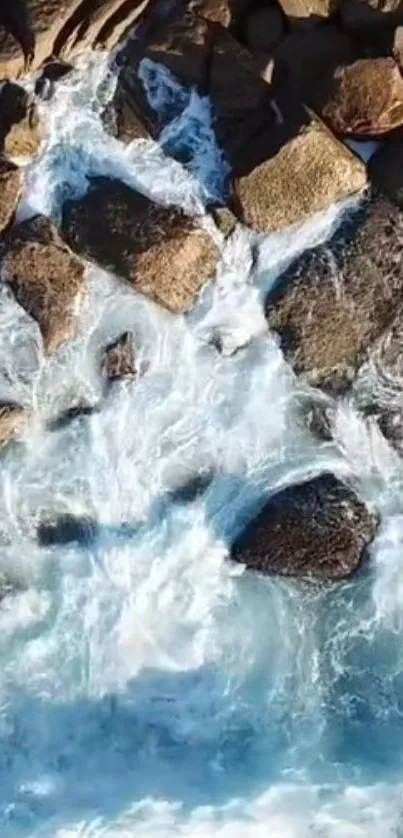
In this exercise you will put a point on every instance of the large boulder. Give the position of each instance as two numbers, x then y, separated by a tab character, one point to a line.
263	28
20	126
366	99
46	278
11	185
159	250
308	12
33	30
309	173
334	302
315	530
361	15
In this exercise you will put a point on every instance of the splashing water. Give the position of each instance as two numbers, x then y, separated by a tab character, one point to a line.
148	687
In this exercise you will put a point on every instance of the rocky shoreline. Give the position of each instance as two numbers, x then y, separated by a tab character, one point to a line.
292	85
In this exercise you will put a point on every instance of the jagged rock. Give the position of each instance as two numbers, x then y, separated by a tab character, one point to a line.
371	14
218	11
33	30
315	530
264	28
11	184
119	363
205	56
308	12
366	99
337	300
308	174
65	529
13	420
21	131
46	278
159	250
385	170
52	72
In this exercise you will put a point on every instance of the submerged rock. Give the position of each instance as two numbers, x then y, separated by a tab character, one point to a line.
21	131
366	100
46	278
118	363
77	412
65	529
13	421
159	250
309	173
336	301
11	185
316	530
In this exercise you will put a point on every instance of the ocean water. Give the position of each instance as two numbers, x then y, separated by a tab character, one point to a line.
149	688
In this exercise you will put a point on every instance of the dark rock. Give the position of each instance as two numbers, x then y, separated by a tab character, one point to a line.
46	278
390	423
337	300
159	250
192	489
361	15
264	28
11	184
52	72
66	529
385	170
21	131
309	173
315	530
119	363
72	414
366	100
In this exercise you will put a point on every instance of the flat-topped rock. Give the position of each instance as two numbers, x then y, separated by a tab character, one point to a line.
46	278
317	530
159	250
307	175
366	99
337	300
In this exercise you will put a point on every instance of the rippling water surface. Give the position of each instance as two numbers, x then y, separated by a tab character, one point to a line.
148	687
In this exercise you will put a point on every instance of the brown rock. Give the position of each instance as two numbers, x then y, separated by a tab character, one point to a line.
264	28
20	128
119	361
11	183
366	100
308	174
121	120
13	420
336	301
385	170
46	278
159	250
314	530
218	11
33	30
371	14
308	12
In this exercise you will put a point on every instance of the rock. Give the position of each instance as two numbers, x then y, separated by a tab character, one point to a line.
385	170
308	12
47	280
77	412
333	304
118	363
366	100
65	529
33	30
371	14
314	530
159	250
13	420
204	56
309	173
121	119
11	184
264	28
52	72
193	489
21	131
305	61
390	423
218	11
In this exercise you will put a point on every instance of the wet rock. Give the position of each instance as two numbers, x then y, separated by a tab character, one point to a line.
13	421
360	15
21	132
46	278
264	28
308	12
317	530
218	11
337	300
77	412
225	220
11	184
121	119
65	529
390	423
118	363
159	250
51	73
309	173
33	30
204	56
385	170
191	490
366	100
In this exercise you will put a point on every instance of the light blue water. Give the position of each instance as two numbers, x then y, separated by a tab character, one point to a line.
147	687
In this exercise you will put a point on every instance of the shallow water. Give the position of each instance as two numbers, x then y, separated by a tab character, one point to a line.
147	686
